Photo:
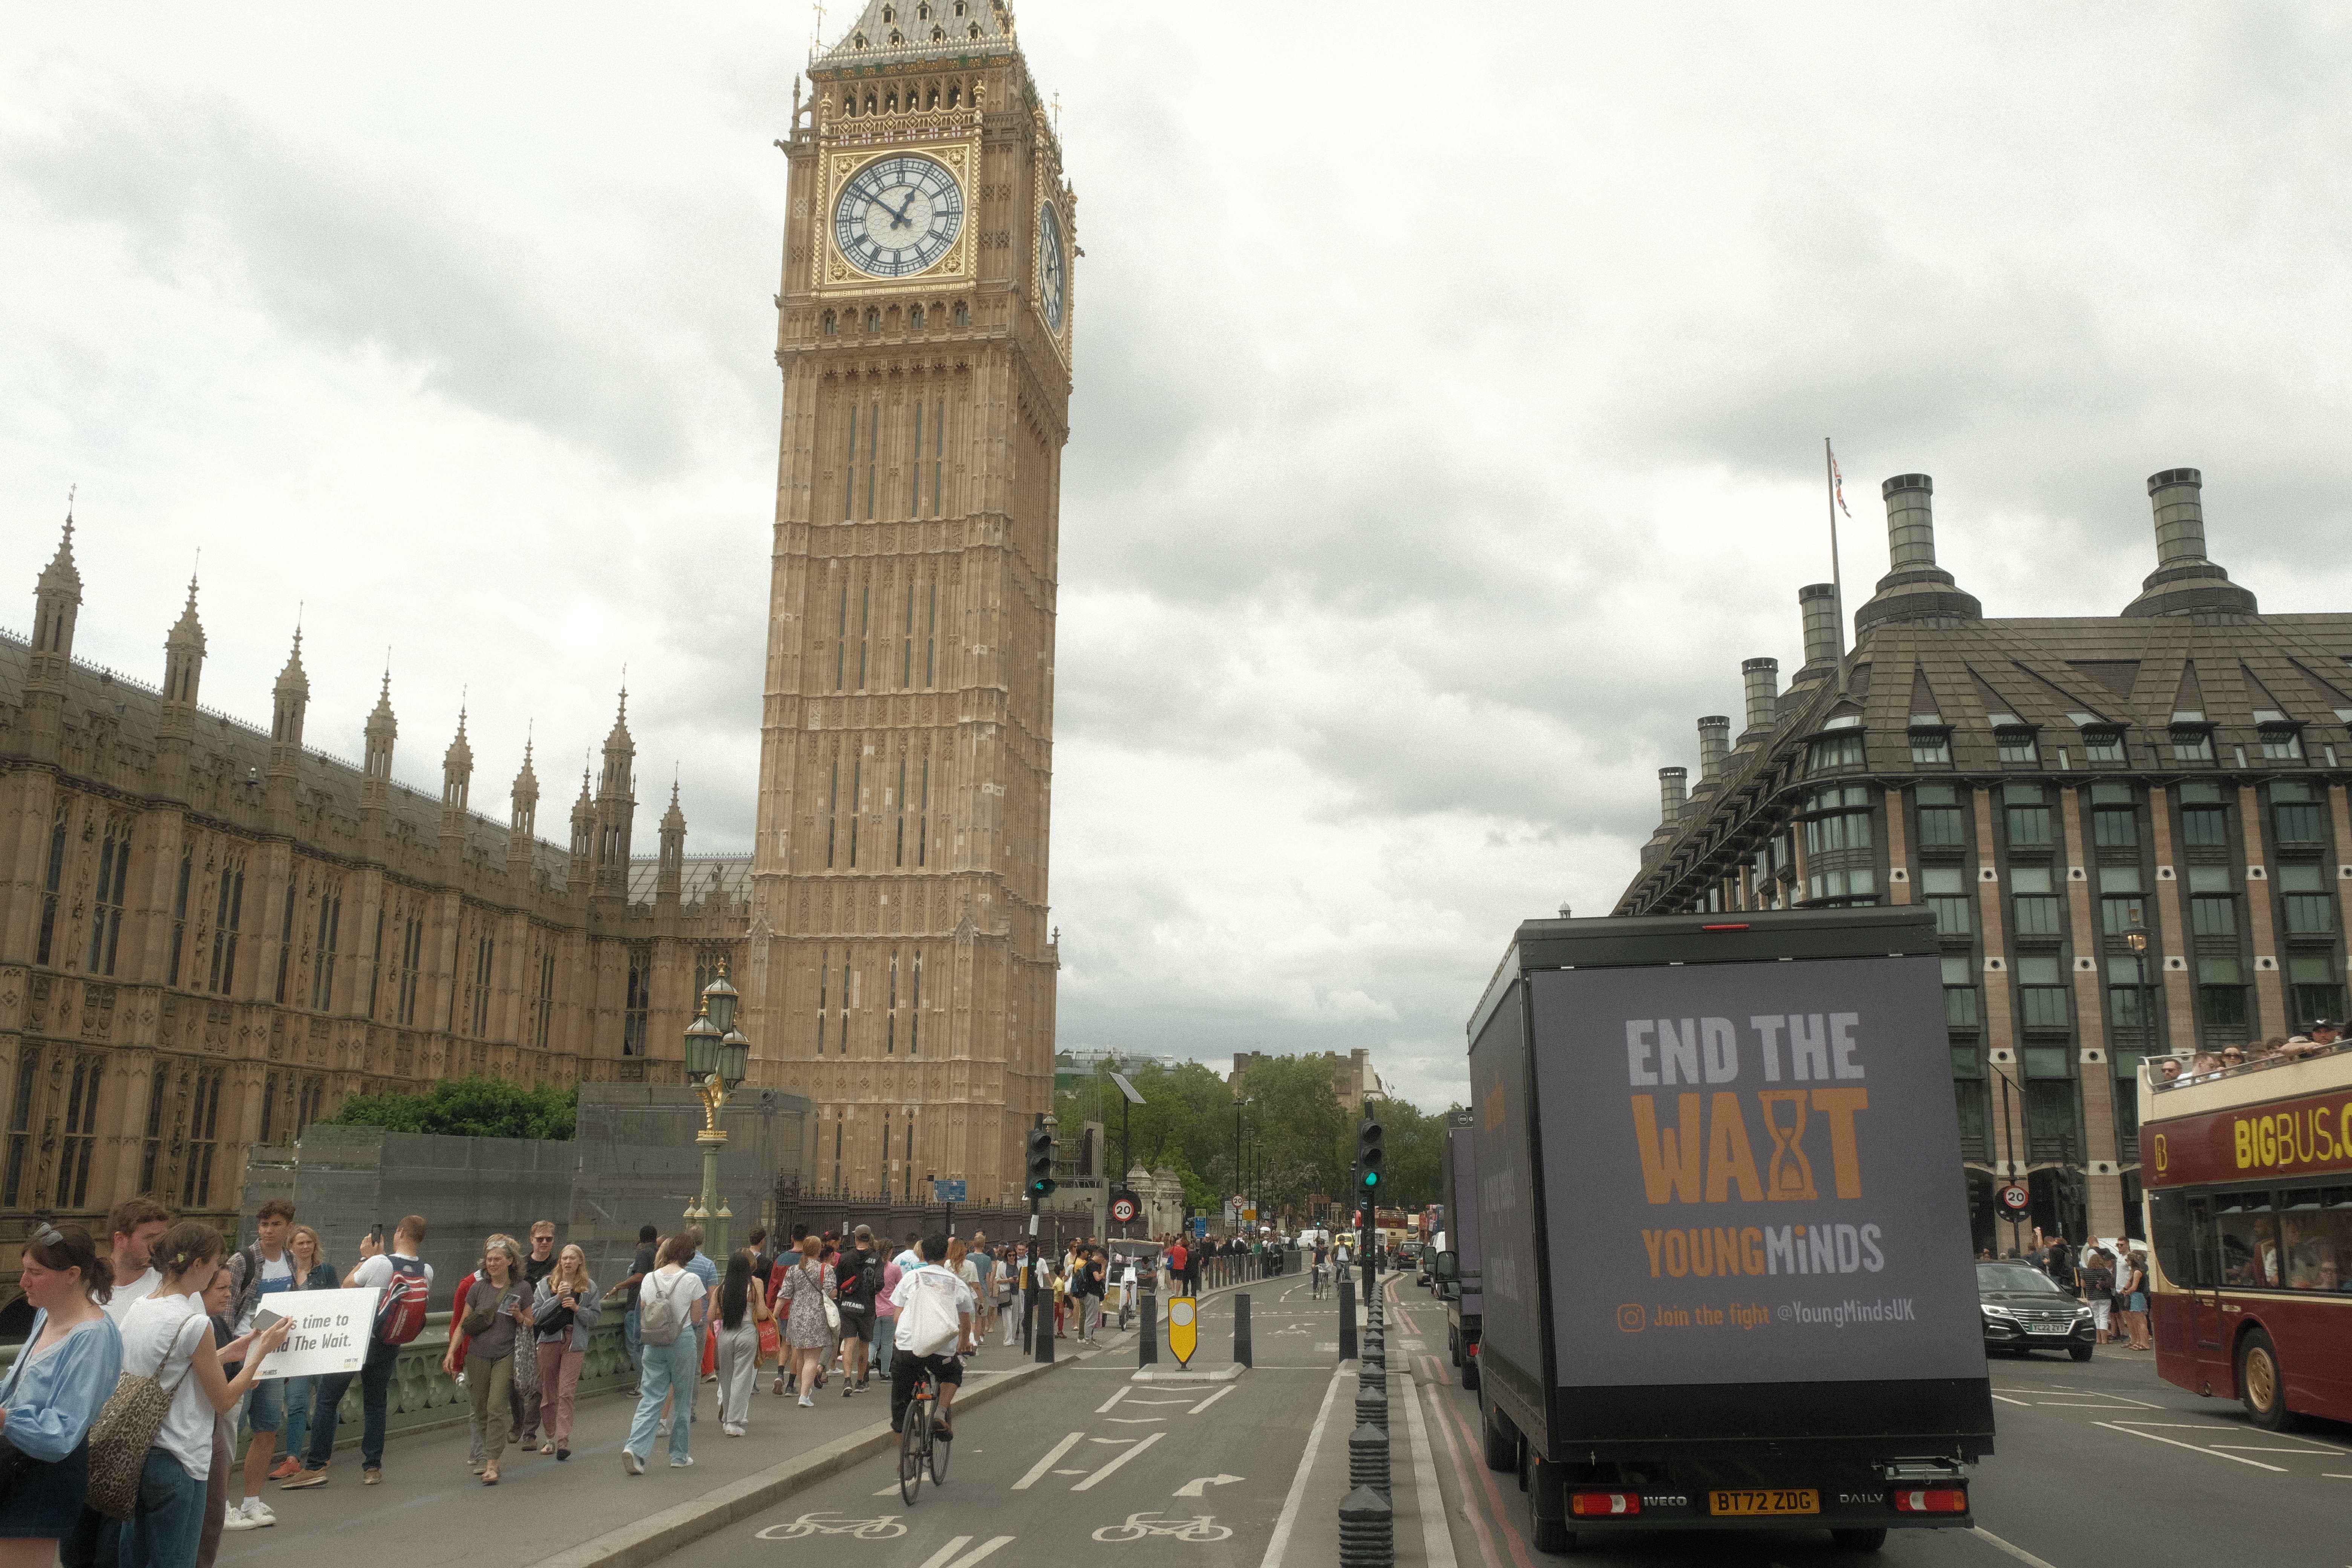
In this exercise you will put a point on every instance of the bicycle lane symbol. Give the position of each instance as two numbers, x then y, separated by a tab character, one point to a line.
1200	1528
808	1524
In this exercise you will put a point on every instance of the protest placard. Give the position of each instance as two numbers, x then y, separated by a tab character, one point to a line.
331	1333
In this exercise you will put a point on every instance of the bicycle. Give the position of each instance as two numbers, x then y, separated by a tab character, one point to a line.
1319	1282
918	1444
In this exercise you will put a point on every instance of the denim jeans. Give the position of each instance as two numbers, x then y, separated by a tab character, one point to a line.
886	1341
633	1344
299	1390
675	1366
168	1519
376	1391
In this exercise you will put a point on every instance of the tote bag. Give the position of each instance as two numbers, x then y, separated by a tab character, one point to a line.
126	1429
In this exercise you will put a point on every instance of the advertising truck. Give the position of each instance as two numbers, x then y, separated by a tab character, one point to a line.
1726	1267
1459	1272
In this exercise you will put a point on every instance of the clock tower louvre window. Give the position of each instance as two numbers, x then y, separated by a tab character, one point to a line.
856	802
940	449
873	439
832	810
849	473
899	854
907	656
864	625
915	468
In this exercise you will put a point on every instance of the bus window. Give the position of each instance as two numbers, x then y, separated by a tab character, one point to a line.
2316	1233
2250	1252
2182	1258
2202	1275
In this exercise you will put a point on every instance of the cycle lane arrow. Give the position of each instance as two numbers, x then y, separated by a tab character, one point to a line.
1199	1485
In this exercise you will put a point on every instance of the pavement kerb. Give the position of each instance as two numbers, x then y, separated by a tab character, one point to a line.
659	1534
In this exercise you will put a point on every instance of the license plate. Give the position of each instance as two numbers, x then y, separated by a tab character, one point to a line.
1802	1500
2049	1327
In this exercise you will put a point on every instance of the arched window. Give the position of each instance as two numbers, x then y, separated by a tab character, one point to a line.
832	324
890	102
894	319
896	38
959	7
859	41
953	93
869	103
975	29
922	13
873	319
889	12
914	319
934	102
938	36
962	314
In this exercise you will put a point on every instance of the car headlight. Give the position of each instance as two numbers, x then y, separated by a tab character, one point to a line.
1990	1310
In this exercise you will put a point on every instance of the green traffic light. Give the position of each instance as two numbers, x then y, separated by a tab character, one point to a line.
1371	1178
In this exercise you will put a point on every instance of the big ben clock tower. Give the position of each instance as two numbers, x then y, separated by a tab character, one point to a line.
901	974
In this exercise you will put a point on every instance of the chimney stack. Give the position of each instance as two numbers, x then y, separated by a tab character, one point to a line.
1713	744
1824	638
1763	679
2185	582
1671	793
1915	588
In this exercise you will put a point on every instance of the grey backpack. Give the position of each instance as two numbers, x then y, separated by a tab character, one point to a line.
661	1317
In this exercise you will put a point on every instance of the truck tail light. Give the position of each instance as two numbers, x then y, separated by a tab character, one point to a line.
1590	1505
1470	1349
1932	1500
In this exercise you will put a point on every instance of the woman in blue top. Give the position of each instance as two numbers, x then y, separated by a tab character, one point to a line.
64	1374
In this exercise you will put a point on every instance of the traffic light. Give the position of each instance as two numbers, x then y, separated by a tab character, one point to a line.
1041	1163
1369	1156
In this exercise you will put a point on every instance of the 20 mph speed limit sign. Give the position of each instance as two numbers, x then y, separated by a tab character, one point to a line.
2016	1199
1124	1208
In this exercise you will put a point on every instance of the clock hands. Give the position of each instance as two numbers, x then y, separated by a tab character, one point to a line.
899	218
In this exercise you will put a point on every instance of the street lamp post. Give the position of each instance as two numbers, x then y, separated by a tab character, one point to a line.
717	1055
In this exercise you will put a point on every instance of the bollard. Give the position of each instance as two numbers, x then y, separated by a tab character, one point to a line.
1147	1343
1347	1318
1372	1400
1368	1458
1241	1330
1044	1330
1367	1531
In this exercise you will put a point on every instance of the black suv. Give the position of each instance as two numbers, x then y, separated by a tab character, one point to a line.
2024	1310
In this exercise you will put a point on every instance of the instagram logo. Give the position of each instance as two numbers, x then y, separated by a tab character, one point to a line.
1630	1317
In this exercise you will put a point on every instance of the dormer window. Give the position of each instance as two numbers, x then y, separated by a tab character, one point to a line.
889	12
1931	742
2104	744
2282	737
2192	738
2017	742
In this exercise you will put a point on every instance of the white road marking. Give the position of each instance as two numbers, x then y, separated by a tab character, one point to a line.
2192	1447
1114	1441
1212	1398
1199	1485
1135	1420
1037	1470
939	1559
1091	1481
1436	1535
1104	1408
2265	1449
2005	1399
1280	1542
2020	1552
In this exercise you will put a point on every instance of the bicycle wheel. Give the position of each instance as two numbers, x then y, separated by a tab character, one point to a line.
938	1452
914	1441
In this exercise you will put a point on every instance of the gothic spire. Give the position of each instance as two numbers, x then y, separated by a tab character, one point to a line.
900	32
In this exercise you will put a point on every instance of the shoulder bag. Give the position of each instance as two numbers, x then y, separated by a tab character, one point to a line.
126	1429
832	1311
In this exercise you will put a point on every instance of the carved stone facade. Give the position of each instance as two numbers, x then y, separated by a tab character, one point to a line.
901	974
211	934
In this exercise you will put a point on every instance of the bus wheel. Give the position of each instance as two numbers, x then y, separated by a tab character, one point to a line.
2261	1385
1869	1540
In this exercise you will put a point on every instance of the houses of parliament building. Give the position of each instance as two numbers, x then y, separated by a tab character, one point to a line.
212	934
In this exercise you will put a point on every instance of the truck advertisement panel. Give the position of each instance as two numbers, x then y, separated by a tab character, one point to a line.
1504	1206
1750	1173
1461	1190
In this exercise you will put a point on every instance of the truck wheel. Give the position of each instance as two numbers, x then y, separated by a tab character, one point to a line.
1502	1447
1470	1373
2080	1352
1454	1345
1869	1540
1547	1510
2261	1387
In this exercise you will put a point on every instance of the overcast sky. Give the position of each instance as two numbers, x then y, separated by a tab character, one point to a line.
1447	428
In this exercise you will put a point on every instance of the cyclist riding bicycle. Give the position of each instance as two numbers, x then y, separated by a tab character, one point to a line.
935	1317
1322	1256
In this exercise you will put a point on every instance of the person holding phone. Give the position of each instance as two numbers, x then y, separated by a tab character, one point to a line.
564	1314
496	1309
311	1272
166	1524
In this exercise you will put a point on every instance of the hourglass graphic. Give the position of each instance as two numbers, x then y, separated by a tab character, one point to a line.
1789	1178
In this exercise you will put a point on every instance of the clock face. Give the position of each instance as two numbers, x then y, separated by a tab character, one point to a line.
898	216
1052	271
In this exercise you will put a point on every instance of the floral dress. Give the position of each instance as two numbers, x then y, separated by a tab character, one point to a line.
806	1285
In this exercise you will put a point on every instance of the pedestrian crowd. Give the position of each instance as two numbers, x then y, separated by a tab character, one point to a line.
2108	1276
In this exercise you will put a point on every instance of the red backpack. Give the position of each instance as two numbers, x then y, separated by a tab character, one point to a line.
400	1311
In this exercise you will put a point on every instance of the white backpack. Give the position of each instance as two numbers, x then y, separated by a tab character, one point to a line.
660	1317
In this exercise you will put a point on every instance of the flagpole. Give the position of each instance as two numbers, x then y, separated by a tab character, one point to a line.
1837	574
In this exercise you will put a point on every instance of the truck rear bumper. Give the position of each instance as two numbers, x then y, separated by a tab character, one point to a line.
1604	1497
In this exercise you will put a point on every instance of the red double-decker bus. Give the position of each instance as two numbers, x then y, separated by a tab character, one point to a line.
2249	1182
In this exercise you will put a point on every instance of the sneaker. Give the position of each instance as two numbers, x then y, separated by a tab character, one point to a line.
563	1453
732	1430
632	1463
371	1477
848	1389
288	1467
307	1478
249	1515
662	1430
679	1461
806	1402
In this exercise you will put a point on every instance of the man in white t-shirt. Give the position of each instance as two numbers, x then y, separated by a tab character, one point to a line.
138	1223
375	1271
260	1270
935	1316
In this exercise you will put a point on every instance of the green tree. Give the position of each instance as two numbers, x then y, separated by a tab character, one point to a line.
470	1107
